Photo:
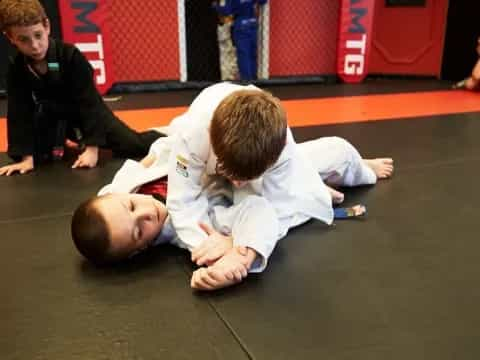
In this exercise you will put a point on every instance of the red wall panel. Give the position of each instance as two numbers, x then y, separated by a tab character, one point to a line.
303	37
86	25
408	40
145	40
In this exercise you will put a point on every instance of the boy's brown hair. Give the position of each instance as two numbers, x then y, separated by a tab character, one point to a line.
90	233
20	13
248	133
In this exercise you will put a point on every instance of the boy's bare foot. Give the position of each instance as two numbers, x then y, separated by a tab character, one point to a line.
337	196
382	167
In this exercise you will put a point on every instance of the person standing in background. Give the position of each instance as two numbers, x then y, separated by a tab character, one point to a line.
244	31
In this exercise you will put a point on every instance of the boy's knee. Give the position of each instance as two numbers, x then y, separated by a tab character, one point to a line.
341	146
339	141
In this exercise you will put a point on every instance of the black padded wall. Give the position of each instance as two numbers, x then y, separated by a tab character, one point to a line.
462	32
201	36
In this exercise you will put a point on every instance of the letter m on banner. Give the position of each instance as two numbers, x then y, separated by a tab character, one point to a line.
355	39
84	24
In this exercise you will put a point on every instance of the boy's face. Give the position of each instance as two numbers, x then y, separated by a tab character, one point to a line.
31	41
236	183
133	220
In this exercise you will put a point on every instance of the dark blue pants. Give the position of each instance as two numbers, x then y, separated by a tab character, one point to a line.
245	40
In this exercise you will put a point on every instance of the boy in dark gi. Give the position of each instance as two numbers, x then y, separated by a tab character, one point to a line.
52	97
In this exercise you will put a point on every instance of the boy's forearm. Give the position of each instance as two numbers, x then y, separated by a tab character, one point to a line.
250	256
187	203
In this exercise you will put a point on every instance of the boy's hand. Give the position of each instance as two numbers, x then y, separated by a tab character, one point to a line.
148	160
87	159
22	167
231	269
234	264
210	278
212	248
470	83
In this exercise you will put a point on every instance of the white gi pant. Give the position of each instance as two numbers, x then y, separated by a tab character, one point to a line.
253	222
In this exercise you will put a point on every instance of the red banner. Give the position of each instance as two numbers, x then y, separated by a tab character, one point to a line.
354	39
85	24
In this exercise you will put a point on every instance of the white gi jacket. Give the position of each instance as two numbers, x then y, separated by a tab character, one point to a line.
291	186
257	215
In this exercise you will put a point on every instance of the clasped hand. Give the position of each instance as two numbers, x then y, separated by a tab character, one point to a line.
227	264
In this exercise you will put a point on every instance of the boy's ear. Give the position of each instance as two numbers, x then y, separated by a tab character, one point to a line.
9	37
46	23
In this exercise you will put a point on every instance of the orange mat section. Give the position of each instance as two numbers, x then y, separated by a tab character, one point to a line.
309	112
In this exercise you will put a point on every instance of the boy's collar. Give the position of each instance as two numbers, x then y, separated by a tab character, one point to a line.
51	56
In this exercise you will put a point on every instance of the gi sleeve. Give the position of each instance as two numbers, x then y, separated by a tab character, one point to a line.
255	225
20	129
278	184
88	103
281	188
187	204
295	189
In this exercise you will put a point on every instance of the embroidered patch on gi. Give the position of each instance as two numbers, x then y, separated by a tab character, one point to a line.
182	166
54	66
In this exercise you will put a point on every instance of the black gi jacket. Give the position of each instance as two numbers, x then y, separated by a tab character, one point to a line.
65	93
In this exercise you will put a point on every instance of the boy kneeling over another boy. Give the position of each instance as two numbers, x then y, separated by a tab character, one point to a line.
237	182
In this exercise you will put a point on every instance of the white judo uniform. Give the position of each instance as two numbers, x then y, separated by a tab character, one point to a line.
257	215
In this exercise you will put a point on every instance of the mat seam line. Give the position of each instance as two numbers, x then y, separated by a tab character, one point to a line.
232	332
34	218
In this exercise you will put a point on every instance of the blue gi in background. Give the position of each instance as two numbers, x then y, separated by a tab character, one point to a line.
244	32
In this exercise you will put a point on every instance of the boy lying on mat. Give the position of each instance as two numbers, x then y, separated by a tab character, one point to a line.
227	203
